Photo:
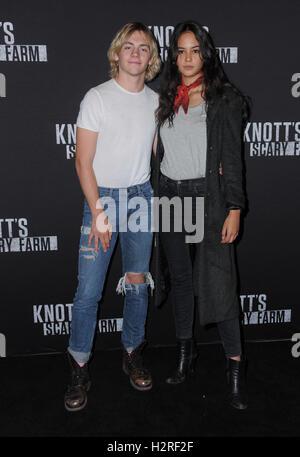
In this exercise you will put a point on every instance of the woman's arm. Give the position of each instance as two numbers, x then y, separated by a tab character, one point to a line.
231	157
232	168
155	144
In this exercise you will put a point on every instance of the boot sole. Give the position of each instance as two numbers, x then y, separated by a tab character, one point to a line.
188	375
79	408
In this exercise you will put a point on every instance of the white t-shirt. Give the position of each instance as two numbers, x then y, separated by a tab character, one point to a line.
126	125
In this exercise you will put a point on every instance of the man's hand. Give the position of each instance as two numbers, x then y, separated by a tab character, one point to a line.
231	226
101	229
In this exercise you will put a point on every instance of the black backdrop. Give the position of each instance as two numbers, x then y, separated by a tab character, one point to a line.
51	53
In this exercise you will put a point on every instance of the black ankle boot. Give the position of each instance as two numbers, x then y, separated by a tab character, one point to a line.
186	359
236	377
76	394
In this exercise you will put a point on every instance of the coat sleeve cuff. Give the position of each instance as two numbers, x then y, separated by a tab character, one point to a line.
229	207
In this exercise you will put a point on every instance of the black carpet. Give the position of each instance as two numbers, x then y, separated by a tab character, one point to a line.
32	390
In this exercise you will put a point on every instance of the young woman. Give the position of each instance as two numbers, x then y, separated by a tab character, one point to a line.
201	117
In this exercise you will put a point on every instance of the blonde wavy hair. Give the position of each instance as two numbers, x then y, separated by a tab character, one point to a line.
121	37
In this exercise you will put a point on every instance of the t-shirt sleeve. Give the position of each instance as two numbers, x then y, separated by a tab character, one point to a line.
90	112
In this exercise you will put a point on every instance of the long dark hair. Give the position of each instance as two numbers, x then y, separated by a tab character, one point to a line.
214	76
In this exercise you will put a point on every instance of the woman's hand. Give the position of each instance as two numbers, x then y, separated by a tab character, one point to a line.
154	147
231	226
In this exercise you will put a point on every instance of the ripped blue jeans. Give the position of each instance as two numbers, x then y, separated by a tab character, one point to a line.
129	212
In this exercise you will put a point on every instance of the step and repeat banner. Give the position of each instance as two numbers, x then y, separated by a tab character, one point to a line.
51	53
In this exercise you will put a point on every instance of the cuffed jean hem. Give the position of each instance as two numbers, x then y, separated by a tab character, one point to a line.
80	357
131	347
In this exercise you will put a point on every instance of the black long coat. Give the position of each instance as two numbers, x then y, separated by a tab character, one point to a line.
215	277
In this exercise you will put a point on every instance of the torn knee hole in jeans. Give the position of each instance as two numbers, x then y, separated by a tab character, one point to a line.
122	284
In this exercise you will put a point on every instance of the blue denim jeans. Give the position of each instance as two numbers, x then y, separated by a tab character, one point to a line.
129	212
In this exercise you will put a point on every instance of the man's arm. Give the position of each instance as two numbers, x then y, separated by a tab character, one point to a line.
86	141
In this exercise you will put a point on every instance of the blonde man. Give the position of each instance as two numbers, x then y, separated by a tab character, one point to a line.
115	132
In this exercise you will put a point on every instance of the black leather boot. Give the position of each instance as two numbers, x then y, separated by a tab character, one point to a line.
140	377
236	377
186	360
76	394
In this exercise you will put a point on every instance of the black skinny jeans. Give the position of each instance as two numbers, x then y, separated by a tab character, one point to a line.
179	257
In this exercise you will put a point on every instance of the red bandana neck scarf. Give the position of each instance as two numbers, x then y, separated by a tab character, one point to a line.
182	96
